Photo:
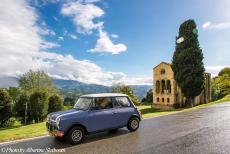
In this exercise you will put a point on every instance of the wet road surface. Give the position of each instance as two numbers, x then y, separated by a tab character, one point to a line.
205	130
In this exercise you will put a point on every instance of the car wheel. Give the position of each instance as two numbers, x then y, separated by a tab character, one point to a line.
76	135
133	124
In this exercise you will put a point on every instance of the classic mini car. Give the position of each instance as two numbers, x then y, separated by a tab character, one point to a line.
94	113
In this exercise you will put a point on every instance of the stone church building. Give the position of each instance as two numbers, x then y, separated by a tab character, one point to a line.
167	94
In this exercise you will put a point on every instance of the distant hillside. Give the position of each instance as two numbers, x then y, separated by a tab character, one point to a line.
141	90
79	87
6	82
69	87
73	88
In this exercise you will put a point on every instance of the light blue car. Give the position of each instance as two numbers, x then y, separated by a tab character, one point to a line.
94	113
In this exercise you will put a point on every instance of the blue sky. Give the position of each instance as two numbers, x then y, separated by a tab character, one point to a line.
117	40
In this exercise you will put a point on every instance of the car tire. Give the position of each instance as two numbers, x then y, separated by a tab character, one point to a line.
133	124
76	135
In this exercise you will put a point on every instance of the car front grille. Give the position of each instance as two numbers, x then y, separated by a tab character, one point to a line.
51	126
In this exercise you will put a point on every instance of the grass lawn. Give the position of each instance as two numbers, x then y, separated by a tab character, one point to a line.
148	112
20	132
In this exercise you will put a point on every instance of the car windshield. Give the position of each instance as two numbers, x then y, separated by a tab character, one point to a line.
83	103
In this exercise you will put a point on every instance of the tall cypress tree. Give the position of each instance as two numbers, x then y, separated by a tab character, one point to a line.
187	63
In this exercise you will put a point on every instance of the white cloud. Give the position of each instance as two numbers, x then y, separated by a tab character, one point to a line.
44	30
21	49
219	26
206	25
105	45
214	70
89	1
83	16
73	36
60	38
48	45
114	36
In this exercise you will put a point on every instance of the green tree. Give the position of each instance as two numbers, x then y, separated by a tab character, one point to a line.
36	81
69	101
55	104
14	93
221	84
149	97
20	107
126	90
38	106
224	71
187	62
5	107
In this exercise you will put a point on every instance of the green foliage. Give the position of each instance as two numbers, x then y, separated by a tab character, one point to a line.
225	71
55	104
14	93
20	107
10	122
187	63
38	106
221	84
67	108
69	101
126	90
34	81
5	107
149	97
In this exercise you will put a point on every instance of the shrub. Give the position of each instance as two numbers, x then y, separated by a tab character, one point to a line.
5	107
69	101
55	104
10	122
38	106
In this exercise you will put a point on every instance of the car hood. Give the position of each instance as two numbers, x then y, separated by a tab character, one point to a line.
54	115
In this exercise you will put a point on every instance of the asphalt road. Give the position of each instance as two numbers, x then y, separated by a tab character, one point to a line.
205	130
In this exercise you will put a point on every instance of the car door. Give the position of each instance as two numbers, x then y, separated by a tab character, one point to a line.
123	110
100	117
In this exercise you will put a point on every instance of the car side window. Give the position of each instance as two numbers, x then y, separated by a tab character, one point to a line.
122	101
102	103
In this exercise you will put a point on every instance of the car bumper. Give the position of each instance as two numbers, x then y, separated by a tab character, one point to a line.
53	130
56	133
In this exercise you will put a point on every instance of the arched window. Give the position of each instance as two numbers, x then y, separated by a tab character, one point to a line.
157	87
168	100
163	99
169	86
163	86
162	71
158	99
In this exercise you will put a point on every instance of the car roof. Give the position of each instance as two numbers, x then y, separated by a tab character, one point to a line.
104	95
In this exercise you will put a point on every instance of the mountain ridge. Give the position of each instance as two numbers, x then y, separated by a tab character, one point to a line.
72	86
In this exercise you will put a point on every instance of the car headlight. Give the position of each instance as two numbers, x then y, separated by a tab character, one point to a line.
58	121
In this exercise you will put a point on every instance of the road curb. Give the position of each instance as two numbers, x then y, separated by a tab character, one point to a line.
22	140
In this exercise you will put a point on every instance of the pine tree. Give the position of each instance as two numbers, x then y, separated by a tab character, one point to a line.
187	62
